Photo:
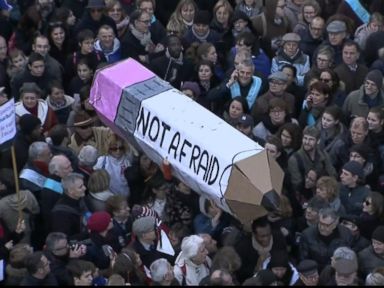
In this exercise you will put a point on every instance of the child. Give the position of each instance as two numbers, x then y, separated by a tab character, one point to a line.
18	61
83	77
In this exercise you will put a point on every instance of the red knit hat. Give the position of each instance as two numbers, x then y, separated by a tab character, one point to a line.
99	221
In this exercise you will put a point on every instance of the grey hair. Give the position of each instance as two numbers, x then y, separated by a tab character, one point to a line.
36	149
53	238
54	165
328	212
159	268
190	245
248	63
374	279
344	253
88	155
68	181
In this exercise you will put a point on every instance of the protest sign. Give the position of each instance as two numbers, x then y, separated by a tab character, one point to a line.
7	123
205	152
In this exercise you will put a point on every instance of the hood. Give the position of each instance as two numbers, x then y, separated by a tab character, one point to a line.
68	102
116	46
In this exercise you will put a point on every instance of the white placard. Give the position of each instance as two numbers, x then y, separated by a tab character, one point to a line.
7	121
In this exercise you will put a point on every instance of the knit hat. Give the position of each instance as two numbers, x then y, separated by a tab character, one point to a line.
307	267
99	221
202	17
30	87
336	26
355	168
28	123
378	234
142	211
362	149
279	258
375	76
193	86
143	225
239	15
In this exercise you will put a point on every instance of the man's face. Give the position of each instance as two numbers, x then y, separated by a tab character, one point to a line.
370	88
309	143
240	25
347	178
78	189
263	235
277	115
210	243
201	29
65	167
57	95
86	46
174	47
41	46
245	74
147	6
336	38
290	48
311	214
316	28
85	279
37	68
96	13
358	134
19	62
326	225
3	49
61	248
277	87
345	279
311	279
378	247
106	36
350	55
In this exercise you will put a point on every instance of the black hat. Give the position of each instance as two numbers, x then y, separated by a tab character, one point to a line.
239	15
202	17
375	76
28	123
96	4
362	149
279	258
378	234
355	168
307	267
266	277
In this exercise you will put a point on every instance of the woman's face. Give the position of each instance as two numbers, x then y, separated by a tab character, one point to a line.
277	115
211	56
222	15
201	255
318	98
29	100
19	62
323	61
71	20
58	36
235	109
327	121
205	73
286	138
116	150
188	12
84	72
326	78
309	13
145	162
57	94
116	12
367	205
374	122
322	192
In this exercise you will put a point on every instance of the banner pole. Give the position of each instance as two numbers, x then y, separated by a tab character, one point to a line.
16	181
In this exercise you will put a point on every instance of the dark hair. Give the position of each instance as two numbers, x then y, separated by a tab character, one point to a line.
84	61
77	267
317	203
274	140
350	42
320	87
33	262
206	63
243	102
296	133
61	14
249	39
57	134
378	110
277	102
33	57
54	25
289	66
114	202
135	15
260	222
55	84
84	35
170	37
335	112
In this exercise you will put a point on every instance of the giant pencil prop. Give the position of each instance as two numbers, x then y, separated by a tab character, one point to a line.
205	152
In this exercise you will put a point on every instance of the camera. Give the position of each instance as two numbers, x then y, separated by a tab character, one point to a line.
73	243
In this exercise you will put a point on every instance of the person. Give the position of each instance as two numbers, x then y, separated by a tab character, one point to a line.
277	89
83	78
36	72
59	39
98	188
66	215
308	157
345	273
362	32
290	53
372	214
323	58
59	253
116	11
118	208
312	35
374	279
86	160
138	42
290	136
108	44
309	10
60	103
118	158
81	272
16	270
222	17
226	258
17	62
245	125
237	107
351	71
93	18
162	273
39	272
241	83
375	119
280	265
337	94
372	256
182	18
251	8
319	242
327	188
173	67
255	247
369	95
193	263
308	273
352	190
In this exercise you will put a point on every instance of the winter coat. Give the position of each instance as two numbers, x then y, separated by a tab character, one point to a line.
308	44
131	47
353	198
313	247
188	273
111	56
351	79
14	275
29	280
86	22
62	112
369	260
96	201
97	141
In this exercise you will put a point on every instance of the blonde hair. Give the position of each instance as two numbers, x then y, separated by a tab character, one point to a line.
99	181
226	5
330	185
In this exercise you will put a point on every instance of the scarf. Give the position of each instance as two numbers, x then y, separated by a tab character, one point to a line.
263	251
359	10
57	105
189	24
200	38
144	38
253	91
178	60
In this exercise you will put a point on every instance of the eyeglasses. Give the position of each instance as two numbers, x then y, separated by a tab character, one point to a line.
114	149
144	21
325	225
276	111
322	59
274	82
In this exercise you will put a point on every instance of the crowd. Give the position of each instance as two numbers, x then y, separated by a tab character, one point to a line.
303	78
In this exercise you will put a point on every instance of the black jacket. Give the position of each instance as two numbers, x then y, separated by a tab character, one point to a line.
29	280
86	22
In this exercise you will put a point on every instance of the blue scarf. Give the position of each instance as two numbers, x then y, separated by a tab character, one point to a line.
253	91
53	185
359	10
